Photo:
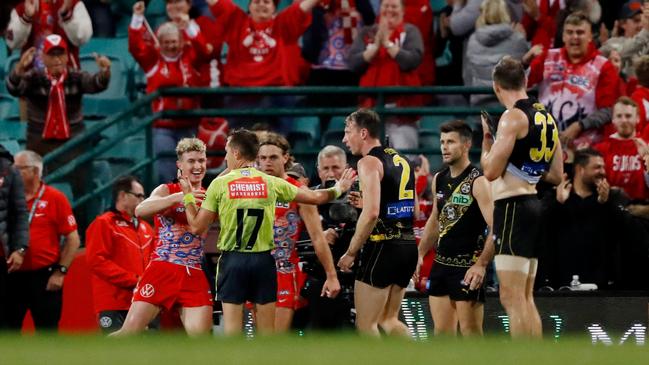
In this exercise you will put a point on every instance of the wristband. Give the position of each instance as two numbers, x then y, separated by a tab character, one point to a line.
336	190
189	199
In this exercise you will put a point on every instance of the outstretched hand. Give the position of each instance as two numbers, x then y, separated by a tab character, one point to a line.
25	60
102	62
138	8
185	185
346	180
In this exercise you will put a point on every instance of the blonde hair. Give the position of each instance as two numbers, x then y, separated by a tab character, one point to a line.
189	145
493	12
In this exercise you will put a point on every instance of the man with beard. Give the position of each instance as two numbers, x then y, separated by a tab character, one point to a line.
585	221
623	151
458	228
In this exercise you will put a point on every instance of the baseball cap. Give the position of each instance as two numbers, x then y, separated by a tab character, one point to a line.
296	171
630	9
54	41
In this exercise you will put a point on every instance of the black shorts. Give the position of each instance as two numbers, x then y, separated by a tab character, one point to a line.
517	226
448	280
387	263
246	276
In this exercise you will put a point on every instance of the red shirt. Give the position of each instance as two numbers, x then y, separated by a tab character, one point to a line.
257	54
420	14
624	166
52	219
163	72
288	226
117	254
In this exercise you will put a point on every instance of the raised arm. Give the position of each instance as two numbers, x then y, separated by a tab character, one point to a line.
159	201
322	196
198	220
495	154
76	23
141	48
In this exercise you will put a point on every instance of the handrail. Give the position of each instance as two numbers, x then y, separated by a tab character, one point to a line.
99	149
145	122
96	128
306	90
300	111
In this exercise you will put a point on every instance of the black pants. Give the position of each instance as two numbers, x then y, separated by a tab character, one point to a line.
26	290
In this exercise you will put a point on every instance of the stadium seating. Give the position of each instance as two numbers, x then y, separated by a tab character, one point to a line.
114	98
13	130
9	107
335	132
11	145
305	133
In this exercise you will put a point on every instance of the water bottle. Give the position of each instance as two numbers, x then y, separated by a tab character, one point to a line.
575	284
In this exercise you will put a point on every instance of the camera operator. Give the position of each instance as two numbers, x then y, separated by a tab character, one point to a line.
338	222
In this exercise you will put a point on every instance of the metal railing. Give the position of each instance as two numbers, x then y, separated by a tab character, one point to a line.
139	124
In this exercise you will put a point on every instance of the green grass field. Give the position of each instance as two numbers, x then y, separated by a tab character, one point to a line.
331	350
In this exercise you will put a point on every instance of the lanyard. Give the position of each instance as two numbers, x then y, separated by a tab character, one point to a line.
35	204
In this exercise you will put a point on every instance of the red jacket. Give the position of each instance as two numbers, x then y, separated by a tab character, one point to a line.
420	14
117	254
75	28
261	54
164	72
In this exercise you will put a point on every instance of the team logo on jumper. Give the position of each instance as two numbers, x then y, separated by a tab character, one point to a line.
248	187
461	199
405	209
147	291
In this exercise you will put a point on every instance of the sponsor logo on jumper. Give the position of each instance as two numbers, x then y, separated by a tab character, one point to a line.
248	187
461	199
404	209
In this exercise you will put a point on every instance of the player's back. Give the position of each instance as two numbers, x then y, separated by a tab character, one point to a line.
245	201
532	155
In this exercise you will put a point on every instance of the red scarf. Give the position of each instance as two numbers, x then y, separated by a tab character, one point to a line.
57	125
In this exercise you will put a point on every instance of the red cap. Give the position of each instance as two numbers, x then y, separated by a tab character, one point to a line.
53	41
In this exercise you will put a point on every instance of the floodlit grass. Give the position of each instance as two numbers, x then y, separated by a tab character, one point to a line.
330	350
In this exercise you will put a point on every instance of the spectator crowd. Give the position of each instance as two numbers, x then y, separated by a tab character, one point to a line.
588	60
